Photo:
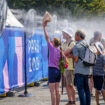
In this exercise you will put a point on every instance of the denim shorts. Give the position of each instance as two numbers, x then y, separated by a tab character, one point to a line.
54	75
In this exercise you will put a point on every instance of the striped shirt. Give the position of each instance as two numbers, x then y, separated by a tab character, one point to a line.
98	69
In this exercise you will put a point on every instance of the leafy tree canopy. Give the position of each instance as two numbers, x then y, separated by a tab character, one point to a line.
76	8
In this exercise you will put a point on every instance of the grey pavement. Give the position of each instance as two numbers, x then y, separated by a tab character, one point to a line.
41	97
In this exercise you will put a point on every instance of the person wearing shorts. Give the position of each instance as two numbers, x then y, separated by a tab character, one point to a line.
97	38
98	72
54	73
69	73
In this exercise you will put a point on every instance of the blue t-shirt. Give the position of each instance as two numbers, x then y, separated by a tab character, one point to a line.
98	69
79	50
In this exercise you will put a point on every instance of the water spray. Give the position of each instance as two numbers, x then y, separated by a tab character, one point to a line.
3	15
29	29
30	23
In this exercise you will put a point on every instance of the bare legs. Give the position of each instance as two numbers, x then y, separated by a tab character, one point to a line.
91	85
55	94
71	93
97	96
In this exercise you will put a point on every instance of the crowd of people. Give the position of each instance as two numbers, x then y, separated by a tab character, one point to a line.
77	75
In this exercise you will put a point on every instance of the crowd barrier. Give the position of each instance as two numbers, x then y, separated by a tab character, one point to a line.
12	58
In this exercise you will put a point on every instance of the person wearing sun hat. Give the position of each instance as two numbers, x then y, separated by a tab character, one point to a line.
69	73
68	31
98	72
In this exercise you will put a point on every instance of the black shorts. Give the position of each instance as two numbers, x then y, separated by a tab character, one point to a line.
54	75
98	82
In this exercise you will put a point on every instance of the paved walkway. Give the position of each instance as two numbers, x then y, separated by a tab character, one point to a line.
41	97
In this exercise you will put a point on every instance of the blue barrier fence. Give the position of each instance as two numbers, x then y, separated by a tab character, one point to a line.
12	58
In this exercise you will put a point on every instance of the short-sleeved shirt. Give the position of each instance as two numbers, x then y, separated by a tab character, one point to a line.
54	56
65	46
79	50
98	69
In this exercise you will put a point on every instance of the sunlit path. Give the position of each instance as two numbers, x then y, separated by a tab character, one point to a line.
41	97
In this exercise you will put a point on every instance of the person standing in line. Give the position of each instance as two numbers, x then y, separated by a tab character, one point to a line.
97	38
81	71
54	73
98	72
69	73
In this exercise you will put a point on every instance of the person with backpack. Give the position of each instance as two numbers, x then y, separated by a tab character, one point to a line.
97	38
54	73
98	72
69	73
81	71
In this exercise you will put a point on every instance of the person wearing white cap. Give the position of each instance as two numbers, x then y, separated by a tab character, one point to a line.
69	73
98	72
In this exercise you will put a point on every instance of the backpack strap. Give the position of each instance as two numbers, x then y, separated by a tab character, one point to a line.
80	58
68	46
70	42
84	45
85	48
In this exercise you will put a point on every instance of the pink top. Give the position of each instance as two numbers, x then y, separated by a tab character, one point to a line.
54	56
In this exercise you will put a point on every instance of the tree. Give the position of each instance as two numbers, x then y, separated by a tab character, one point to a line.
77	8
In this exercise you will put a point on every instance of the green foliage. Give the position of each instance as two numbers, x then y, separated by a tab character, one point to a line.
62	66
78	8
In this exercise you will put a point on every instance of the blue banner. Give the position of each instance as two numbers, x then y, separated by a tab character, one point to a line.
37	59
12	58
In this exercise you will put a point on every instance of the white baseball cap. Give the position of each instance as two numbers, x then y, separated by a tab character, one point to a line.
68	31
99	46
